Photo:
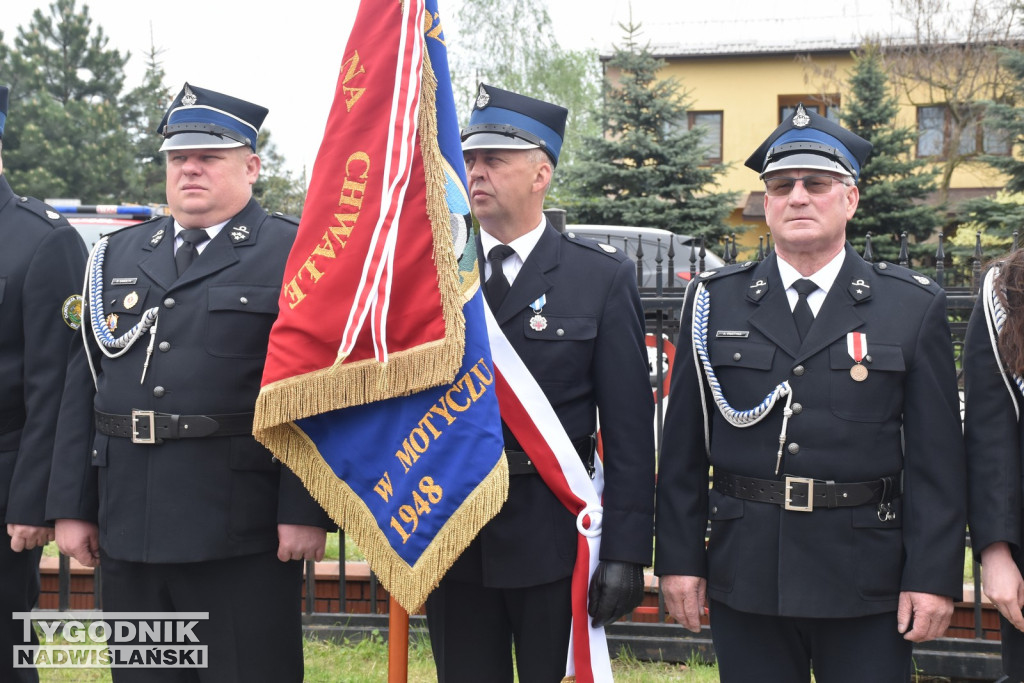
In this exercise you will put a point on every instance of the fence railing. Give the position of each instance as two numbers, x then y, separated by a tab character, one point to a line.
649	633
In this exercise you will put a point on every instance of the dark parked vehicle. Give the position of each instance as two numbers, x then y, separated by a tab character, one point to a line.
651	241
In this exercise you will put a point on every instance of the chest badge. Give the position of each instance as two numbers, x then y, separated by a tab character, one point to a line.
857	346
131	300
538	322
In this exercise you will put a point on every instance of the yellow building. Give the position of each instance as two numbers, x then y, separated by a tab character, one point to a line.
741	91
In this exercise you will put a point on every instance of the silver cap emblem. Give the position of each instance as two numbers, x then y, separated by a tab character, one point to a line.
189	98
800	118
482	98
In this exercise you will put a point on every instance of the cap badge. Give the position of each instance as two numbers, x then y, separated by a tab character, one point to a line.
189	98
800	118
482	99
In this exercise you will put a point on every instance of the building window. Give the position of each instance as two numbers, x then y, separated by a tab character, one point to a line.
827	106
711	123
934	126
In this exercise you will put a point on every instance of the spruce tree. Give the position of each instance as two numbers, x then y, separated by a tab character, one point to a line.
893	185
646	168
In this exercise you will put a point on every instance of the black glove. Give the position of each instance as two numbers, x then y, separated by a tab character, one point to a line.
615	589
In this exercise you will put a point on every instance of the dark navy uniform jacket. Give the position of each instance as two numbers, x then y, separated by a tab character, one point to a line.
590	358
995	441
183	500
42	262
904	417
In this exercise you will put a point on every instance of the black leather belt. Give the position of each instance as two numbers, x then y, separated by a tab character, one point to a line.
146	426
804	495
520	463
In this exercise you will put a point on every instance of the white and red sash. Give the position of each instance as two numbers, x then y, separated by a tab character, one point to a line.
528	413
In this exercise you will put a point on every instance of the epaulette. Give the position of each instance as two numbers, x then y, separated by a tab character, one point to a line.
133	226
907	275
43	210
286	217
726	271
594	245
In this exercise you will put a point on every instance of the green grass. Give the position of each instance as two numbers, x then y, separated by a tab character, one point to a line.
366	661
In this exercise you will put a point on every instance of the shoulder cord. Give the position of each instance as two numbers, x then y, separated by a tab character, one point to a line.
111	346
737	418
995	318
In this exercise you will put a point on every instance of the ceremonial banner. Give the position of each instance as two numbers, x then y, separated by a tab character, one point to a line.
378	391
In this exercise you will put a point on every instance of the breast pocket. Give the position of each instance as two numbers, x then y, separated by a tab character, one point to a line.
742	367
567	357
878	395
239	320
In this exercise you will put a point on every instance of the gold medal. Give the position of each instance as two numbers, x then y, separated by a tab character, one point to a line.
859	373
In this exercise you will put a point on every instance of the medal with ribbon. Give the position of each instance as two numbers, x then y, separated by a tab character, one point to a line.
538	322
857	345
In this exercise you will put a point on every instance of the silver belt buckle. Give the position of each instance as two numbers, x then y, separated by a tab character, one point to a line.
149	417
789	493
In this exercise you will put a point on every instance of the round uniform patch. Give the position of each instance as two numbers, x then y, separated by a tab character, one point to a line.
72	311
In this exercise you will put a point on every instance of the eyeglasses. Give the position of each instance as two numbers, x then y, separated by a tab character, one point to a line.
814	184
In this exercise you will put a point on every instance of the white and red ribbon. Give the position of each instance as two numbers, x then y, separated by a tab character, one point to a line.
857	345
528	413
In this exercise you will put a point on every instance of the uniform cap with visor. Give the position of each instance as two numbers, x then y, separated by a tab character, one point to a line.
205	119
506	120
810	141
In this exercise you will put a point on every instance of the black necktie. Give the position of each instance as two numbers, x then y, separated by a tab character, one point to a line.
497	285
802	311
187	252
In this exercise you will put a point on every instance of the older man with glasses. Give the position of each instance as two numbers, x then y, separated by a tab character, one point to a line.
815	422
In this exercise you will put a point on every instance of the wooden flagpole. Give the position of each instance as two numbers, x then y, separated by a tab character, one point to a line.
398	642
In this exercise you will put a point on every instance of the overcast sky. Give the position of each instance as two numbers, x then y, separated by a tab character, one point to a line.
286	56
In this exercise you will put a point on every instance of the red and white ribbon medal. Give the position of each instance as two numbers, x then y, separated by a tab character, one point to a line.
857	345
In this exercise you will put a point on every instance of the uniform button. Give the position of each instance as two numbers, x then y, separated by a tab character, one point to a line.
797	408
158	392
244	300
560	332
793	448
737	356
165	346
168	302
798	371
95	453
714	509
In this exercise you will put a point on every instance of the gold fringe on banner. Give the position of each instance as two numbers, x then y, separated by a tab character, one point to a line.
406	372
410	585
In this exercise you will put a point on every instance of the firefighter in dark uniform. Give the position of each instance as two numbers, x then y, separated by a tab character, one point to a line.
571	310
41	268
820	392
994	435
183	509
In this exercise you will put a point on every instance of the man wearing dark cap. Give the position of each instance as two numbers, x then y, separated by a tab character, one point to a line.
821	392
159	479
41	268
571	310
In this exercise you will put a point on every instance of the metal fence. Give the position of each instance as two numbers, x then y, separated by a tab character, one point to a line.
649	633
